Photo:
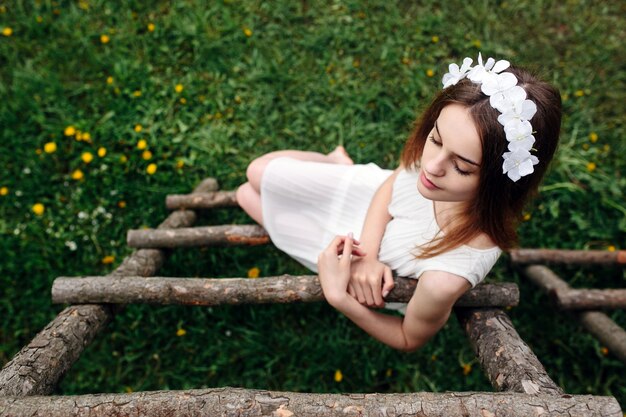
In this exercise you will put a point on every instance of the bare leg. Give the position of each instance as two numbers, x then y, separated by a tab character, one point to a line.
249	194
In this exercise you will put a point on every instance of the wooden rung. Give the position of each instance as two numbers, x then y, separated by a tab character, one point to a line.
198	236
588	299
217	291
38	366
572	257
506	359
612	336
253	403
201	200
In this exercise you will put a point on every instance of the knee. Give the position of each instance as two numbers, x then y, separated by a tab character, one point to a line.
254	172
242	195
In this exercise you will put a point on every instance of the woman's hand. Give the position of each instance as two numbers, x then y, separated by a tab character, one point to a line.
333	266
366	283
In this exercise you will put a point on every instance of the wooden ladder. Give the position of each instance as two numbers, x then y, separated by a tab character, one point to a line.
26	382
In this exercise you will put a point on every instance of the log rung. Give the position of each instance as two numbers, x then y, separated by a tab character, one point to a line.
197	201
252	403
589	299
218	291
198	236
571	257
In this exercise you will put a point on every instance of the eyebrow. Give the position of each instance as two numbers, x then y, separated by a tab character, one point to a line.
469	161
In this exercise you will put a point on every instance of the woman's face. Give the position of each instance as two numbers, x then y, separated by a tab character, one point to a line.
452	156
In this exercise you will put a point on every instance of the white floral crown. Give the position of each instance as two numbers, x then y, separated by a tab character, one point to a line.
510	100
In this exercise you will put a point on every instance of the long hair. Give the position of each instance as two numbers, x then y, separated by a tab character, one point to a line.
496	209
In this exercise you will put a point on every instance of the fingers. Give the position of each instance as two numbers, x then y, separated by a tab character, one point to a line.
388	283
347	249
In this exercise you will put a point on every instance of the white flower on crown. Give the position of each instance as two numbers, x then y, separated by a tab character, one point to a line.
510	100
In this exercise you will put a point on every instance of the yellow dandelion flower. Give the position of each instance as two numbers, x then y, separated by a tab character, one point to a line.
50	147
128	390
102	152
83	4
151	169
180	163
3	9
77	175
142	144
430	72
4	191
138	128
247	32
38	151
38	209
433	357
151	27
7	31
86	136
137	93
591	166
87	157
467	368
586	146
39	19
604	351
146	155
611	248
123	159
69	131
607	148
218	115
183	100
110	80
356	63
254	272
527	216
179	88
237	99
121	204
435	39
338	376
181	332
593	137
105	39
579	93
406	60
109	259
389	372
476	43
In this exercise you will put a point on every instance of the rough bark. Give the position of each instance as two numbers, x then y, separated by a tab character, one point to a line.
572	257
201	201
217	291
250	403
612	336
506	359
198	236
588	299
37	367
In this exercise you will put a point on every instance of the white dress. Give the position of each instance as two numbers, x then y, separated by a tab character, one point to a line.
306	204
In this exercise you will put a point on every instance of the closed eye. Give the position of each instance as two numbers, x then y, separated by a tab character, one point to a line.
456	167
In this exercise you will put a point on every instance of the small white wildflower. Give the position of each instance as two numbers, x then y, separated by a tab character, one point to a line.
26	170
82	215
19	193
71	245
16	232
228	333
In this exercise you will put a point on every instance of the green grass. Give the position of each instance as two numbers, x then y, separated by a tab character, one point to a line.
310	76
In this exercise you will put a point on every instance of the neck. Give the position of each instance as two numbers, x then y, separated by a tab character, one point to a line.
447	213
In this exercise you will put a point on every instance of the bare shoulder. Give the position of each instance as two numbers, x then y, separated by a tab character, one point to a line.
442	286
482	241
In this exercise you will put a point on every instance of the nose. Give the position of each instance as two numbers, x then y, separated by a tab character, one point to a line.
435	166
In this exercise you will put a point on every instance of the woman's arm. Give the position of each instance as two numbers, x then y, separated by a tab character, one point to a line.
367	272
427	311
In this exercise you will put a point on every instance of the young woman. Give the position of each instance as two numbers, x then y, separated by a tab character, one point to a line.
473	160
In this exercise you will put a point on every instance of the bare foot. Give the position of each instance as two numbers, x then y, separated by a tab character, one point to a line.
340	156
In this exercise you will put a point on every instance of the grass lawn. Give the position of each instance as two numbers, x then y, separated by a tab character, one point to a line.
108	106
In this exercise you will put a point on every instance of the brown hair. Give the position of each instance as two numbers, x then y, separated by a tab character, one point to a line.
497	207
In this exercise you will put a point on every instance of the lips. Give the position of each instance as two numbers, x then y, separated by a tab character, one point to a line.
427	183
